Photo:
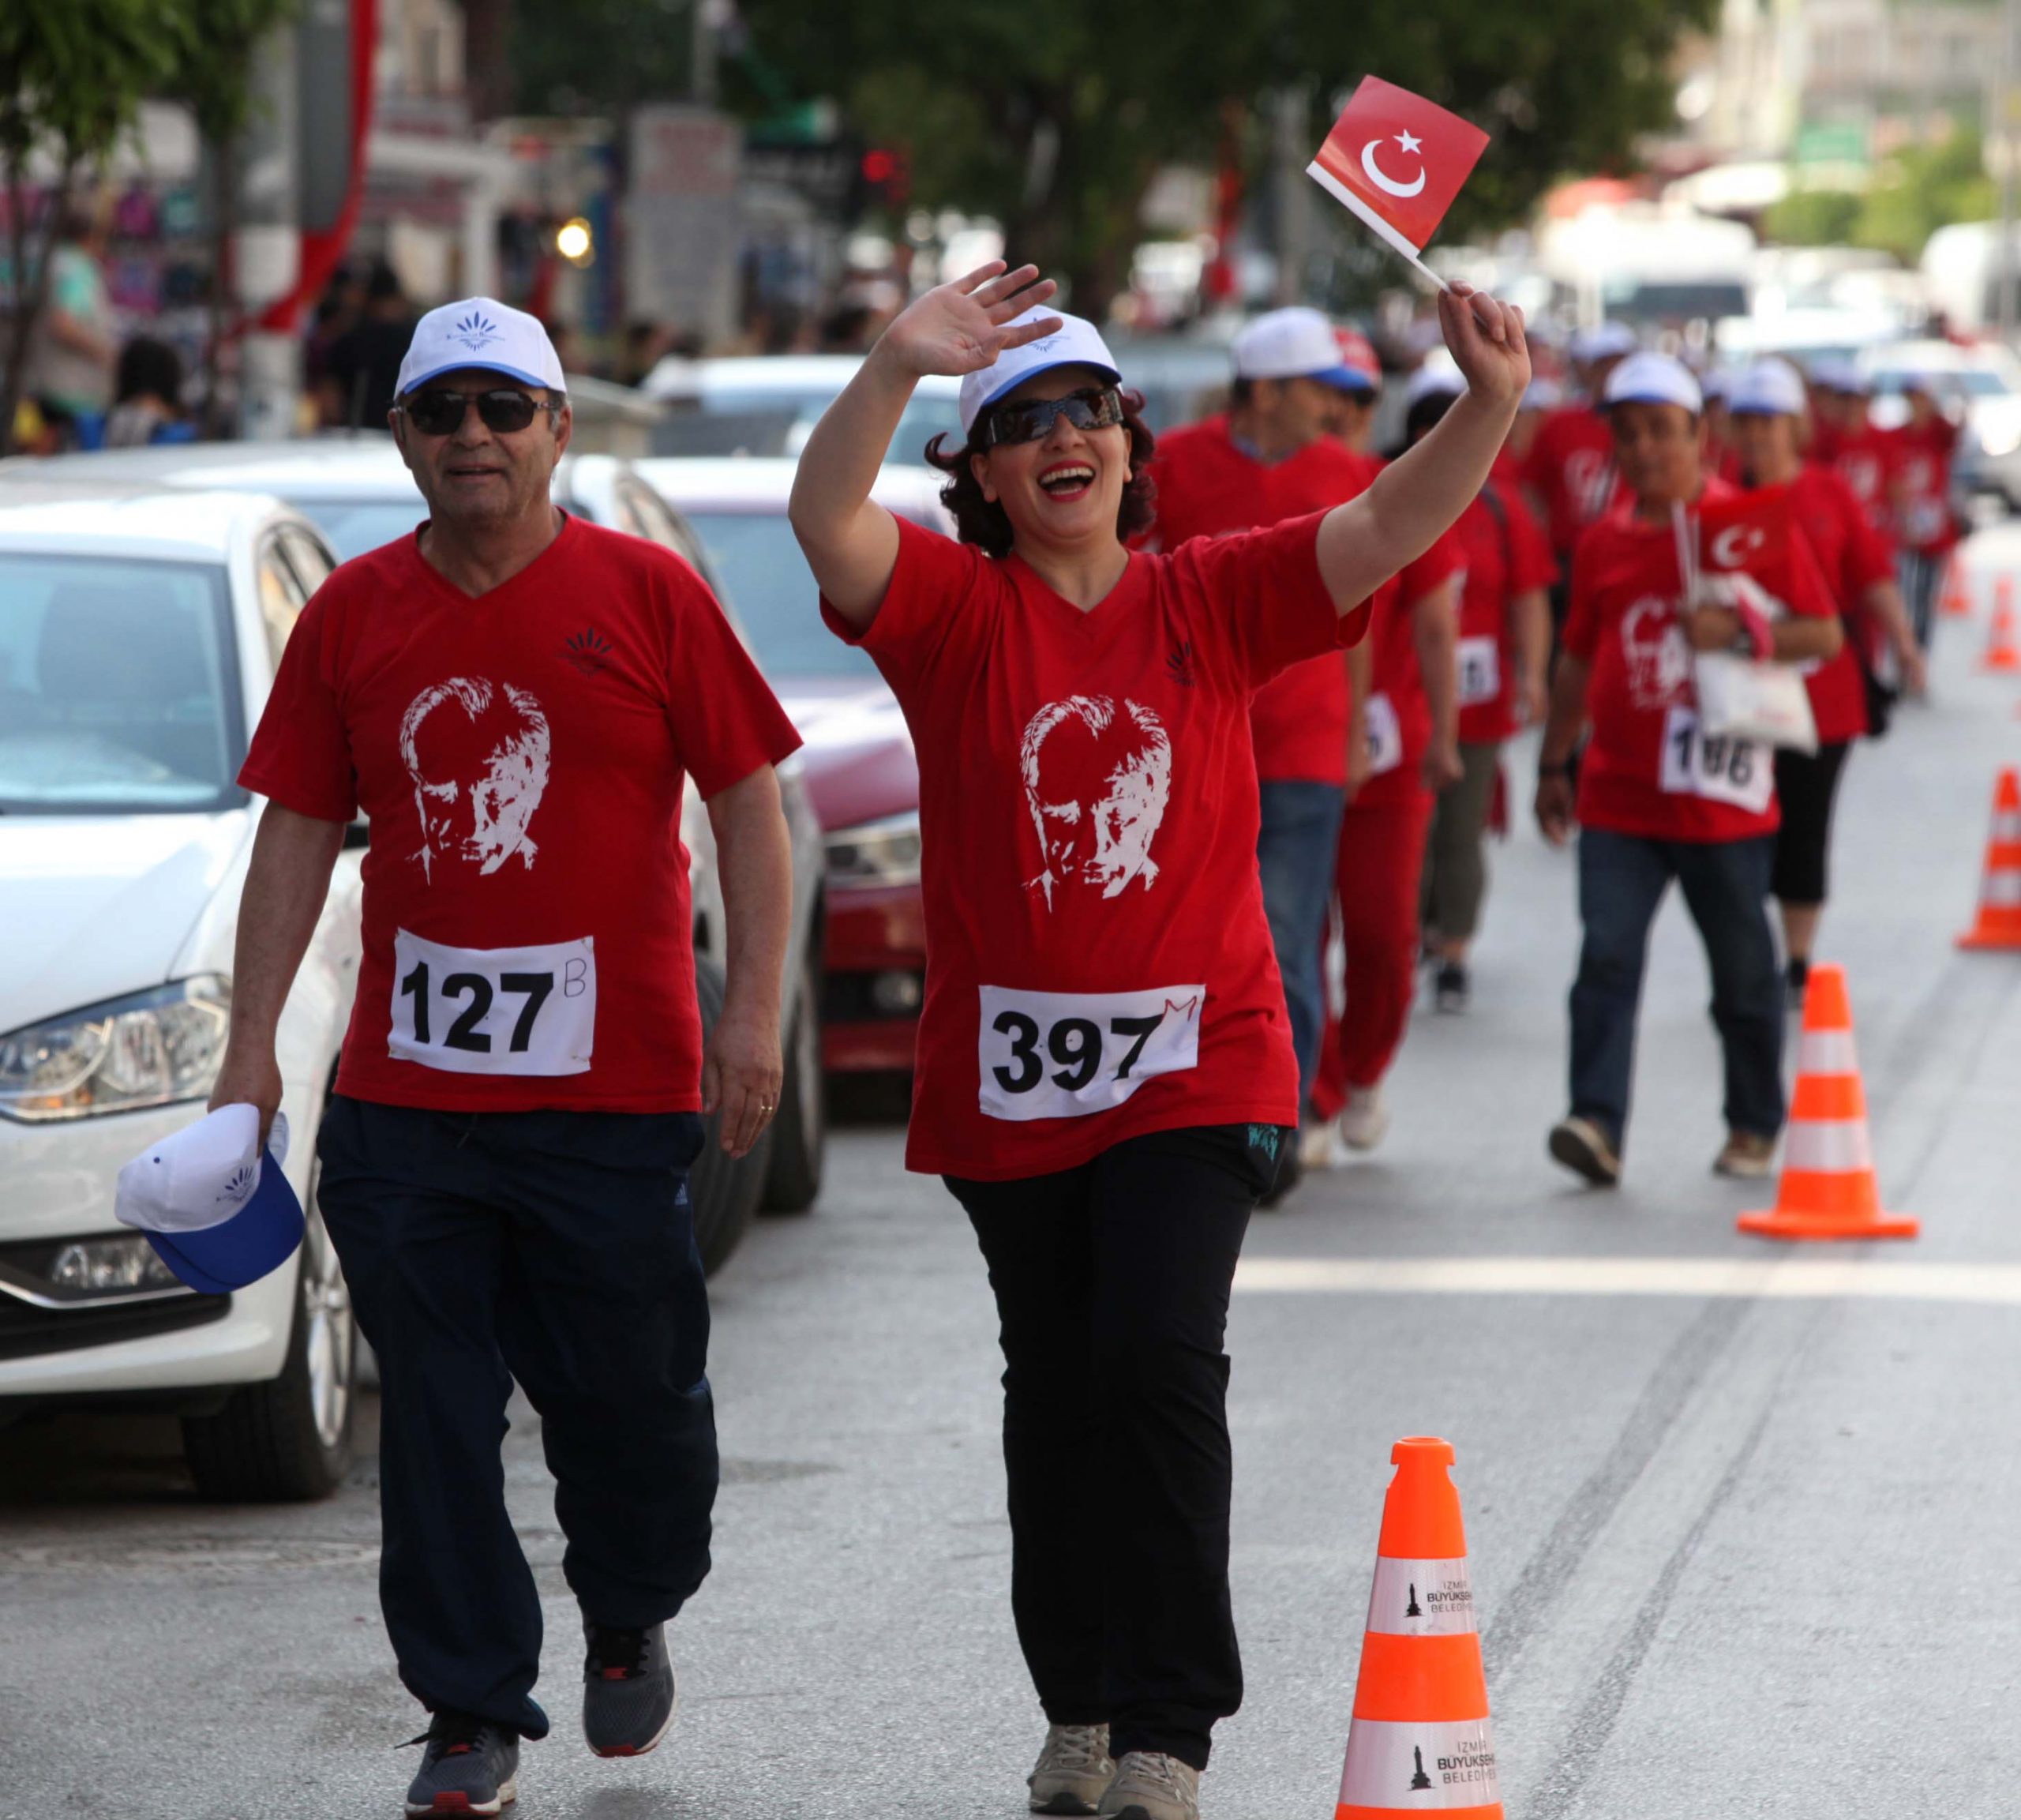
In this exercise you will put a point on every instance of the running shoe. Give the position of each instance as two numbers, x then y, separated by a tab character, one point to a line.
1450	986
1150	1785
1363	1119
1748	1157
628	1692
1320	1148
1586	1149
470	1765
1074	1770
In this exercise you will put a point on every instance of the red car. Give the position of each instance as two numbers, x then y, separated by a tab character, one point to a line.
859	766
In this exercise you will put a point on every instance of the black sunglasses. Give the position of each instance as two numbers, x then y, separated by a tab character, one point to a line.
1033	420
504	410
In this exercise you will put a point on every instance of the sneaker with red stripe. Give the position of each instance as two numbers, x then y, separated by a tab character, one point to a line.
629	1692
470	1765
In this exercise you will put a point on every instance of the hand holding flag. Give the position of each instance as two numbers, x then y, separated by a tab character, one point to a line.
1397	162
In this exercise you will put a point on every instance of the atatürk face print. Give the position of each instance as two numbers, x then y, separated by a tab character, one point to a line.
478	756
1096	786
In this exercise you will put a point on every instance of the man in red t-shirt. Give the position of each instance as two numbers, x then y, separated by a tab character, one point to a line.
1269	459
1846	439
1658	798
1919	486
1570	469
512	697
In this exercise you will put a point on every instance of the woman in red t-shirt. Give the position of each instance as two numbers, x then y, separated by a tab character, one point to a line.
1104	1073
1919	484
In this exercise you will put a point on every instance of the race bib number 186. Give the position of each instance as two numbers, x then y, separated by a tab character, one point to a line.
530	1010
1064	1055
1740	771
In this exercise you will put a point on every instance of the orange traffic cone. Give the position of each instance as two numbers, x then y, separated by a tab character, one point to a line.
1999	925
1828	1188
2003	656
1419	1737
1957	601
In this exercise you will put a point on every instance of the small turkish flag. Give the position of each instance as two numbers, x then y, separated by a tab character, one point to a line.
1397	161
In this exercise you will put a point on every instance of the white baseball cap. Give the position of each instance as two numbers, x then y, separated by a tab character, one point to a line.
1606	341
1543	395
1831	373
1294	344
1768	389
1436	378
1655	379
480	331
217	1211
1076	342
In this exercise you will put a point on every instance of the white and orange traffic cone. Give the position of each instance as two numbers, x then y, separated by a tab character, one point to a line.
1999	924
1956	603
1419	1738
1828	1189
2003	653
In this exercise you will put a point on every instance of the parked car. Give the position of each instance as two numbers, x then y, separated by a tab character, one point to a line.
358	490
139	633
1982	385
860	769
768	404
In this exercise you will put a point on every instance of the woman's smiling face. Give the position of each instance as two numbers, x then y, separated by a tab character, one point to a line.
1066	489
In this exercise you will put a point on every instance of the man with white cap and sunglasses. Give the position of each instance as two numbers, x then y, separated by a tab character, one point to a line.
1657	801
512	696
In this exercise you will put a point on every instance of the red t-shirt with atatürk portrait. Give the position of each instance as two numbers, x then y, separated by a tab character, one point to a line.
1098	963
519	756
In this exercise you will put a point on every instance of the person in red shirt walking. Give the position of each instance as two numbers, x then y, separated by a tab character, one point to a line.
1570	469
1505	647
1845	440
1104	1072
1658	800
1269	459
1768	416
512	696
1919	485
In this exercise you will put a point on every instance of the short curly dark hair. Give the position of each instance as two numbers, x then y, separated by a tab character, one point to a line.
986	525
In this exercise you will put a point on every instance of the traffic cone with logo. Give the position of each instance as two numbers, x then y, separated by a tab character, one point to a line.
1828	1189
2002	654
1420	1739
1957	601
1999	925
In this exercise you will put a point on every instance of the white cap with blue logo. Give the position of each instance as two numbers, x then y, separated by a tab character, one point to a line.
1076	342
480	332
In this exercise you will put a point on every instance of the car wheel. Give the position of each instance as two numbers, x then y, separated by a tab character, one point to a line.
289	1438
723	1192
799	1133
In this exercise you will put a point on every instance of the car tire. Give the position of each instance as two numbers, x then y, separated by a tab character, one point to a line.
799	1133
289	1440
723	1192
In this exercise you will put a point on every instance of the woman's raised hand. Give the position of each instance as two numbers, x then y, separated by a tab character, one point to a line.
962	327
1485	336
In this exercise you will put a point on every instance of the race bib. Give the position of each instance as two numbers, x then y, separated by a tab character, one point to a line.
1740	771
1480	671
1925	522
530	1010
1385	735
1065	1055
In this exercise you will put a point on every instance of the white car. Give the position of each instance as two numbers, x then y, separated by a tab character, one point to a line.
768	404
1982	385
358	490
139	634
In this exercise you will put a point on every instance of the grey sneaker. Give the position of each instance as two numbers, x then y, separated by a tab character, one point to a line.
470	1766
1074	1770
1747	1157
629	1692
1150	1785
1585	1149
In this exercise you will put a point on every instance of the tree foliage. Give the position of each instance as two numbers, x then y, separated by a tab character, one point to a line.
1056	126
1921	189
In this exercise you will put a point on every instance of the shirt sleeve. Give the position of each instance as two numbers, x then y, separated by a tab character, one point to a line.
725	721
933	607
301	756
1581	636
1446	558
1266	597
1530	563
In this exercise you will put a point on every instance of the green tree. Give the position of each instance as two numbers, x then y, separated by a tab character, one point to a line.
72	74
1923	188
1815	218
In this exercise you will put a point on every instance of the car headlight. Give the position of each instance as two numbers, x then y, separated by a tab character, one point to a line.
155	1049
875	853
2000	439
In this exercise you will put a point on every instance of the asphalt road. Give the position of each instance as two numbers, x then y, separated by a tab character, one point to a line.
1732	1534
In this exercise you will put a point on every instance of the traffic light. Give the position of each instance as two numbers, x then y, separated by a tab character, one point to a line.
886	174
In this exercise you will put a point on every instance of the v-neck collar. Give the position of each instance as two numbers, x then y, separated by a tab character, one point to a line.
1032	586
448	590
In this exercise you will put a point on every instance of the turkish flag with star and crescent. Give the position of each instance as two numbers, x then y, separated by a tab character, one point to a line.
1397	160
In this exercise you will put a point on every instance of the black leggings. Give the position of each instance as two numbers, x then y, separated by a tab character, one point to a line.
1112	1283
1806	785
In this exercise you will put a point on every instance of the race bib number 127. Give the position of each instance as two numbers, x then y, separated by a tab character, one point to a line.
1064	1055
530	1010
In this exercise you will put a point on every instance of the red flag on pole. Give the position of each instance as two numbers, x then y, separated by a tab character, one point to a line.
1397	161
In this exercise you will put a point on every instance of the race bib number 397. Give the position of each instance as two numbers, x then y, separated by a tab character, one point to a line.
1064	1055
530	1010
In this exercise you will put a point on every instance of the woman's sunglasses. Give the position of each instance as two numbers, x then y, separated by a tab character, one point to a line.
1032	420
504	410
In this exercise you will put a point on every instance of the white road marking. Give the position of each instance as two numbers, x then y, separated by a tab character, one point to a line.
1782	1278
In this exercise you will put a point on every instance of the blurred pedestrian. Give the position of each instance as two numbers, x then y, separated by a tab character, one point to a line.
1355	392
1504	650
1104	1072
1844	439
1269	459
363	368
1768	408
148	405
75	346
1656	799
1919	484
1570	471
